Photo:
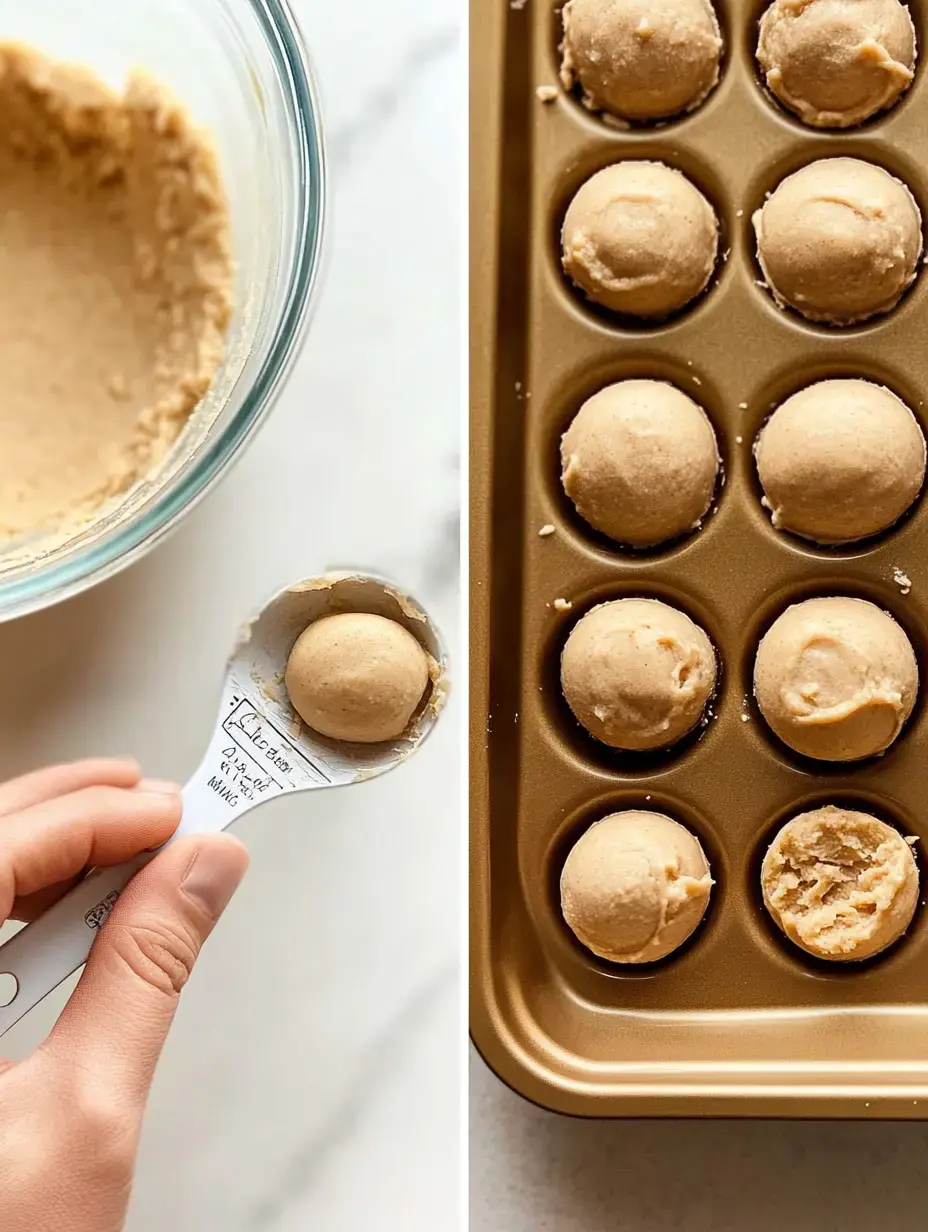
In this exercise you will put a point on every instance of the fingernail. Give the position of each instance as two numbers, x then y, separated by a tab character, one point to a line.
158	787
214	875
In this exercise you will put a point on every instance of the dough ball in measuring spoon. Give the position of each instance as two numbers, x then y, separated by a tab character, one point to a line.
357	677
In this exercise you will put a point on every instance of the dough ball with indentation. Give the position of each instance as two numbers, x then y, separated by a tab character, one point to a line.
635	886
641	59
836	678
841	884
638	673
835	63
839	241
640	239
357	677
640	462
840	460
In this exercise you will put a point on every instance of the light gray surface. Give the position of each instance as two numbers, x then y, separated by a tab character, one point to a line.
312	1080
532	1171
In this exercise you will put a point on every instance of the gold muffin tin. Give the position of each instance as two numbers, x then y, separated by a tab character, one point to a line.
739	1021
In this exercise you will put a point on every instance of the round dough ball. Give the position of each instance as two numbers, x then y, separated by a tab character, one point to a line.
840	460
839	240
639	238
357	677
842	885
635	886
641	59
637	673
640	462
835	63
836	678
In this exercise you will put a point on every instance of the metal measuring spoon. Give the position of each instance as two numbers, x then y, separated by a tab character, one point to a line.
259	750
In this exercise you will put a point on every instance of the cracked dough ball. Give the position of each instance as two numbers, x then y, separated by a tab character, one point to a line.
641	59
840	460
842	885
640	462
635	886
639	238
839	240
835	63
637	673
357	677
836	678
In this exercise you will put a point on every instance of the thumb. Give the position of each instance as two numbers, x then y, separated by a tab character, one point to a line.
114	1026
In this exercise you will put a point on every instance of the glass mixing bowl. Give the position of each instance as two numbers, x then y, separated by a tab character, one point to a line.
240	69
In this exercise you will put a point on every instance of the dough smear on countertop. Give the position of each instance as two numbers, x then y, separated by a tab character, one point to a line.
115	287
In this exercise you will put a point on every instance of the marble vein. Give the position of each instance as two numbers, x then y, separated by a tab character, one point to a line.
380	107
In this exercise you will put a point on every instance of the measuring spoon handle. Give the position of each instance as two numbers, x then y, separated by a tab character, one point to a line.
46	952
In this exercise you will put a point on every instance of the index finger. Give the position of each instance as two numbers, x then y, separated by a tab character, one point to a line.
41	785
45	845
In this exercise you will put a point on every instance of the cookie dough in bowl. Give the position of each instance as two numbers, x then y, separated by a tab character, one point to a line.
638	674
836	63
841	884
635	886
241	114
640	462
840	460
357	677
115	287
641	59
836	678
639	238
839	241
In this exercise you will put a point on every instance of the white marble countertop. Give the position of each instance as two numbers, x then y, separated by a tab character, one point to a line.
312	1078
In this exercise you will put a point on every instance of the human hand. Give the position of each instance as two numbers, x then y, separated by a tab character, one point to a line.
71	1112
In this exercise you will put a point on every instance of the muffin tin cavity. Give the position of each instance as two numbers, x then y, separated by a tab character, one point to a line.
820	79
840	461
689	377
903	951
565	725
682	94
588	181
575	826
782	387
640	464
